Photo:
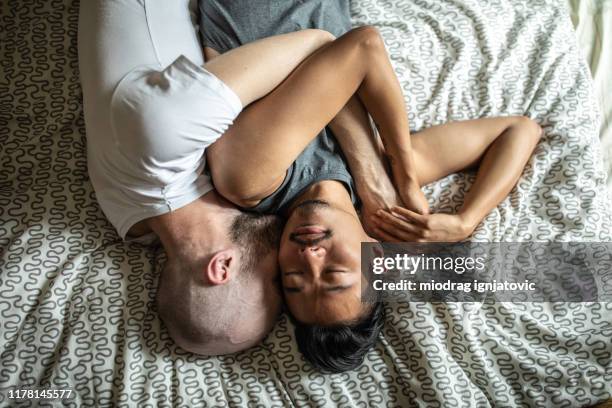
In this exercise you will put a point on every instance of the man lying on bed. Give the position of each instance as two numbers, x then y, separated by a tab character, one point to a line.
320	247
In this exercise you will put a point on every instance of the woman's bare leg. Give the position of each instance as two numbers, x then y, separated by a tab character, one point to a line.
269	135
500	147
455	146
363	151
499	170
255	69
364	154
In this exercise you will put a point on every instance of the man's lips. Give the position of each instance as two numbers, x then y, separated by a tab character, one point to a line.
309	229
309	233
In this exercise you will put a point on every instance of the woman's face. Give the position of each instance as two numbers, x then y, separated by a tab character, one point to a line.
320	262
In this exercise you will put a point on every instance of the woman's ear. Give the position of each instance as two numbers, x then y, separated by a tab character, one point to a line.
219	269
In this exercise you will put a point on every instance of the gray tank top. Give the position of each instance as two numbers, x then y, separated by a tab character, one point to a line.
227	24
321	160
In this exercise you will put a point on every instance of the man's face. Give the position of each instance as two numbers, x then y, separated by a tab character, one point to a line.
320	261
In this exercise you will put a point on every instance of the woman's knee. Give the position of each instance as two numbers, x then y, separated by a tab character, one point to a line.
235	183
232	187
369	38
530	129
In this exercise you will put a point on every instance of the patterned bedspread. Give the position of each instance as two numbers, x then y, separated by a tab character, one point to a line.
77	305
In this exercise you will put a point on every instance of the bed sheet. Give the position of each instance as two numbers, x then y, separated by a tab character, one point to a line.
77	305
593	22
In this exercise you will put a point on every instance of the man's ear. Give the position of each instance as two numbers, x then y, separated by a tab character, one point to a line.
378	250
375	251
220	267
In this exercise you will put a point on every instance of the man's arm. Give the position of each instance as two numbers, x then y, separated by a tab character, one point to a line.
366	159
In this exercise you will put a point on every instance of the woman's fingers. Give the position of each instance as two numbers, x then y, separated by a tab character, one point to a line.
399	222
410	215
386	232
396	232
384	236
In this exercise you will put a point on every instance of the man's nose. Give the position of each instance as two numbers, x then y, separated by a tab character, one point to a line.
314	256
312	251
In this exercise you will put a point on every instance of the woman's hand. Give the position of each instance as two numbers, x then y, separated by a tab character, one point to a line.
402	225
412	196
384	196
373	199
406	182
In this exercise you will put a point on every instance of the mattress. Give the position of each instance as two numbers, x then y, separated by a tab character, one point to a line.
593	22
77	306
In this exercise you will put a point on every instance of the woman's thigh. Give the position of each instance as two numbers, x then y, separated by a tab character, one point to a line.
269	135
255	69
455	146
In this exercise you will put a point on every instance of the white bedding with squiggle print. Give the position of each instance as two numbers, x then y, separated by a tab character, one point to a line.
77	305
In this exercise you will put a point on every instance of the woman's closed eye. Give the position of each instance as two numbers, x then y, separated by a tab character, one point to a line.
326	288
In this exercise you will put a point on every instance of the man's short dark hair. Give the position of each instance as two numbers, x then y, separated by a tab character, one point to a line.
340	347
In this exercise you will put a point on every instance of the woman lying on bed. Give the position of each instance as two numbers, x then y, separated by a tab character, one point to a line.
277	165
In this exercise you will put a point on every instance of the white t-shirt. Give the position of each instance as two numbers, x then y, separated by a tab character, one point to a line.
146	137
162	121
